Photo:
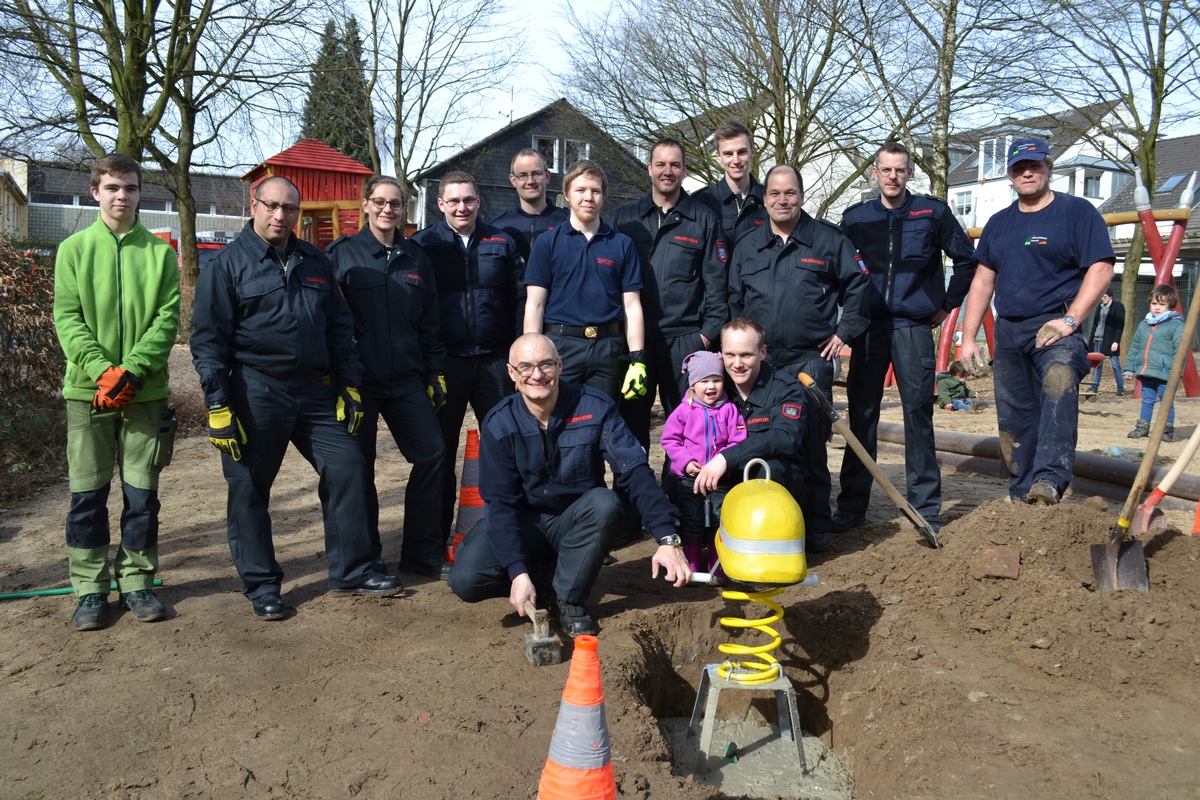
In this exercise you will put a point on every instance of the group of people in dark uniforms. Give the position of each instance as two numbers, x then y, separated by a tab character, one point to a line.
588	315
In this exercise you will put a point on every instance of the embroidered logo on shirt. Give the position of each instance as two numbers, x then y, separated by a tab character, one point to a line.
687	239
791	410
757	420
492	239
581	418
817	261
921	212
413	276
606	262
722	253
1036	240
862	265
315	281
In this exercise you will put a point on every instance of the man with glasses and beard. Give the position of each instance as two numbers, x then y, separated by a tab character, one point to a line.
274	347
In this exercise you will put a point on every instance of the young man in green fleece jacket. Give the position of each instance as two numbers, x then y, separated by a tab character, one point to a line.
116	310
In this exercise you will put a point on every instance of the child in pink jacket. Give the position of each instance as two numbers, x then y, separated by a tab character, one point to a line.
704	424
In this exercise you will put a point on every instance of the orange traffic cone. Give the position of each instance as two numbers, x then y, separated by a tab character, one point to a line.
580	763
1196	522
470	504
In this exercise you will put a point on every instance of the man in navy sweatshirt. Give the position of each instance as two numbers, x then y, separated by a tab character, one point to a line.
549	517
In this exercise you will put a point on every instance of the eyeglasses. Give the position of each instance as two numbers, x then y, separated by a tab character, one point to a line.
271	206
547	367
466	202
536	174
379	203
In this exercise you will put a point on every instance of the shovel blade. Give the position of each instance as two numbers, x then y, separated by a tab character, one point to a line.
1119	566
1148	520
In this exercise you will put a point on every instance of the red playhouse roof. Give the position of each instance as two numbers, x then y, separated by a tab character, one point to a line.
309	154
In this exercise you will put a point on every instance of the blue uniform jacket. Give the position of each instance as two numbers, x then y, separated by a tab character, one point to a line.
289	324
793	289
774	415
481	290
903	249
526	228
395	305
737	216
685	284
524	469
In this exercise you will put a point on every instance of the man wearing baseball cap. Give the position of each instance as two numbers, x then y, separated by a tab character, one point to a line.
1047	260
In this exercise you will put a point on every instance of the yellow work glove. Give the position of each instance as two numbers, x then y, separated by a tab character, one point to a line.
349	409
436	387
226	432
634	384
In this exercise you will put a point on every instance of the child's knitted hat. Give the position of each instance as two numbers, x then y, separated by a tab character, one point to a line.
701	364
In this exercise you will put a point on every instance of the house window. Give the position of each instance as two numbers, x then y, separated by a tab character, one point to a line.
1091	185
1119	179
1172	182
995	157
53	199
963	204
574	150
153	205
548	147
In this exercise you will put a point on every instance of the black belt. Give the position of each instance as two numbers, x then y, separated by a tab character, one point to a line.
586	331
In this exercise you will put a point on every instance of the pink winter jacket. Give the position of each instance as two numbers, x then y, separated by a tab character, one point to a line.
697	432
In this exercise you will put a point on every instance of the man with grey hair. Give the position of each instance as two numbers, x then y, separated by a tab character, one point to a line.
1047	260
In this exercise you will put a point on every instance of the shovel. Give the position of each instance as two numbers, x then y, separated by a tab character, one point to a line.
841	426
1121	564
1149	519
541	647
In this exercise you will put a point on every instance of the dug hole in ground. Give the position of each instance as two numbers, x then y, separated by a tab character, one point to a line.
921	676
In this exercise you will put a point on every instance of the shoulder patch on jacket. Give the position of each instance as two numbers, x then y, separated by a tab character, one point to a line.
791	410
722	253
862	265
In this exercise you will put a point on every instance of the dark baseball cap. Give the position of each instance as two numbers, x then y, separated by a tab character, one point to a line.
1032	149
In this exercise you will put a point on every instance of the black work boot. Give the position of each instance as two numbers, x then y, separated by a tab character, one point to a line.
1141	430
1169	434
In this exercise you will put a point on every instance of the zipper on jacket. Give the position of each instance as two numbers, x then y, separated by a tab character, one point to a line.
472	278
120	300
887	296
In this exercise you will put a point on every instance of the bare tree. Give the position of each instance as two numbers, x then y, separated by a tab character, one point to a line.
163	79
657	66
429	65
929	62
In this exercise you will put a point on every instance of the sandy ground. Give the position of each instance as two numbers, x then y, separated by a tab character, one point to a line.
926	678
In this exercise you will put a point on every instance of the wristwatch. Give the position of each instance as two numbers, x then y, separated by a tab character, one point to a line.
671	540
1071	321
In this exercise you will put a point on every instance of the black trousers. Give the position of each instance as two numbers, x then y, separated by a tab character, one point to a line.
414	427
563	552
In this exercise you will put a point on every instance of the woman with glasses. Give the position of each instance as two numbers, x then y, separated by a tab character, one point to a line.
388	281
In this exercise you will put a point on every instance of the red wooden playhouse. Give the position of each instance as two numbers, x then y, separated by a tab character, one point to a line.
330	185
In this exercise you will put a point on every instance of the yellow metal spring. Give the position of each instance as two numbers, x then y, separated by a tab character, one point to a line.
764	668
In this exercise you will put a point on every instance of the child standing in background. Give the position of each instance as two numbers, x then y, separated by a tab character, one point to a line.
704	424
1151	356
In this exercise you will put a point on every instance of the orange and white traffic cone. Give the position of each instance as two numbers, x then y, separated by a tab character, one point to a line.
580	763
470	504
